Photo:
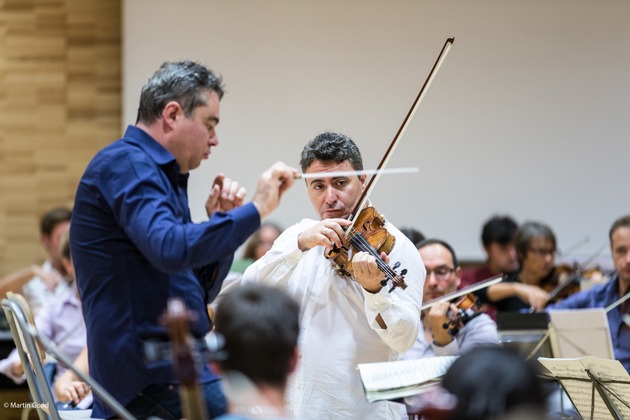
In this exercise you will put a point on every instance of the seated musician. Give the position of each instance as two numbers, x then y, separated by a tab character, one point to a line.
497	237
529	286
260	326
443	277
60	320
603	295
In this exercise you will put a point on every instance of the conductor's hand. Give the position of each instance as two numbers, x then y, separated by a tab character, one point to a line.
271	185
328	232
225	195
366	271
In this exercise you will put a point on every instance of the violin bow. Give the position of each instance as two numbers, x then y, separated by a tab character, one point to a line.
578	272
403	127
461	292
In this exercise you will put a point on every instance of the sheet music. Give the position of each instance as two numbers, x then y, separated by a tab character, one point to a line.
578	385
385	380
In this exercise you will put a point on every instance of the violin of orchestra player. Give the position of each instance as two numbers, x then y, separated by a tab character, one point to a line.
449	327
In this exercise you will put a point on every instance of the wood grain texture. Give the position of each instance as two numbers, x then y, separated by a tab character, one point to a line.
60	102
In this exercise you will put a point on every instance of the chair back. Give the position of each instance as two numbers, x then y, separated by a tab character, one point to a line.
31	354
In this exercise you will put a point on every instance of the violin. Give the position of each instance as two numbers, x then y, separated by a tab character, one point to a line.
467	303
567	279
367	232
468	308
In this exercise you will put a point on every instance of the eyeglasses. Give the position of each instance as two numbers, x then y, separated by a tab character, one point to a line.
441	273
542	251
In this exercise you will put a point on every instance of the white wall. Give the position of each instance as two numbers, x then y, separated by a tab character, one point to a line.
529	114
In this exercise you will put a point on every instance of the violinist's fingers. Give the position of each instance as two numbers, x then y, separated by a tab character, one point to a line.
385	257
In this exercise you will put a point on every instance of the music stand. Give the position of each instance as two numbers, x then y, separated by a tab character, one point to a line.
526	333
580	332
577	337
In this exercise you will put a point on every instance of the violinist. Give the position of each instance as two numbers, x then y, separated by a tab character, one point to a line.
497	237
345	319
528	287
605	295
443	277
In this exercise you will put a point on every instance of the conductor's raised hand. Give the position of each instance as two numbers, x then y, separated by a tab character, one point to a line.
225	195
271	185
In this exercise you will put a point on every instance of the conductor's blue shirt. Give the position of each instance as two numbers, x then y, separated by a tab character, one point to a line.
134	246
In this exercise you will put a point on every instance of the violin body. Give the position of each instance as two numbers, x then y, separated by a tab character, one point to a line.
370	225
367	234
468	307
566	280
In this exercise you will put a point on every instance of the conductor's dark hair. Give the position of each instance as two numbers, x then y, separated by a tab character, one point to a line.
260	325
184	82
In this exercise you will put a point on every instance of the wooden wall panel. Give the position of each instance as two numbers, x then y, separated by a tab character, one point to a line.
60	102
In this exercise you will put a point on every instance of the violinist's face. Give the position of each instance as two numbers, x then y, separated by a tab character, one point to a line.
501	257
442	276
620	249
539	259
334	197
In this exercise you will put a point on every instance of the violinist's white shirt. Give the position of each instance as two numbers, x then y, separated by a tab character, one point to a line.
338	325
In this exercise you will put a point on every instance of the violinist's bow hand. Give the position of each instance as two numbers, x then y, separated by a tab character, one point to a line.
328	233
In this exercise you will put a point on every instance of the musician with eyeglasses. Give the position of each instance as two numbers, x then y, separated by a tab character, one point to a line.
528	288
440	337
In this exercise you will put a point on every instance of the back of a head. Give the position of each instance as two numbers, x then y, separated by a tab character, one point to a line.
260	326
499	229
492	383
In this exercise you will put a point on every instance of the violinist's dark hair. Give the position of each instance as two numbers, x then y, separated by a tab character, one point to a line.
331	147
527	232
623	221
184	82
499	229
432	241
260	325
52	218
490	382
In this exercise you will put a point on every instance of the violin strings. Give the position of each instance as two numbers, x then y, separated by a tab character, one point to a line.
362	244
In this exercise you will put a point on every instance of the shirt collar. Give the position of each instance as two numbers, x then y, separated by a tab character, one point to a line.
155	150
